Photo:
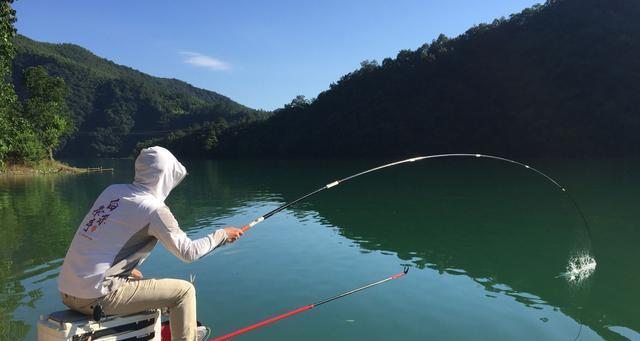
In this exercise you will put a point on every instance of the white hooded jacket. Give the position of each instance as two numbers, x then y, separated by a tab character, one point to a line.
124	225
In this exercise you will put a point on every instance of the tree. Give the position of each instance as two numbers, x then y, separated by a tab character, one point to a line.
46	108
7	93
25	144
368	65
7	52
298	102
18	141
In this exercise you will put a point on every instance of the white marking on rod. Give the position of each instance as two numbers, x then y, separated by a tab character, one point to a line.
335	183
253	223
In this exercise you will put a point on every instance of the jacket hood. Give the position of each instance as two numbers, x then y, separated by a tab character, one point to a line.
158	171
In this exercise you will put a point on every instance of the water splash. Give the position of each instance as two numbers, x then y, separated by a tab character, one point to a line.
580	267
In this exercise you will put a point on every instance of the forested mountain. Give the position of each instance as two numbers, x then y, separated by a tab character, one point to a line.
558	79
114	107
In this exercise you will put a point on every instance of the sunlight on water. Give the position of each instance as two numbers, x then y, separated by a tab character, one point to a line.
580	267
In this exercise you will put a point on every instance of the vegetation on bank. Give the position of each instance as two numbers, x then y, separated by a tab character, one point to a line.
43	167
557	79
114	107
62	99
31	128
554	80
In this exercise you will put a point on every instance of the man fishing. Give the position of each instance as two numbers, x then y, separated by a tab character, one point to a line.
119	232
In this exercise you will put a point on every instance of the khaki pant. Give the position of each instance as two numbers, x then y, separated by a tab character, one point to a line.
138	295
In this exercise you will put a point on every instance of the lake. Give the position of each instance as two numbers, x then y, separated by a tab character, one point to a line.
487	243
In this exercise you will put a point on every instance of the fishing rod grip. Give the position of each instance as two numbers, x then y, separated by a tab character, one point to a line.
252	224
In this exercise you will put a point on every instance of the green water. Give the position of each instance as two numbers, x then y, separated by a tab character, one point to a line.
486	242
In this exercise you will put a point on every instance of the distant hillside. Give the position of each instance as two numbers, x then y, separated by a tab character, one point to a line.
114	106
559	79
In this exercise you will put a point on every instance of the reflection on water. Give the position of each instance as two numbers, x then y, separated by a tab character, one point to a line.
507	228
33	216
466	224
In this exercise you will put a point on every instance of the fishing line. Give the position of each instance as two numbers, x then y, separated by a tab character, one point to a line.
420	158
581	265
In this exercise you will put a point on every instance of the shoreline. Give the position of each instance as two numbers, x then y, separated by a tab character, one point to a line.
46	167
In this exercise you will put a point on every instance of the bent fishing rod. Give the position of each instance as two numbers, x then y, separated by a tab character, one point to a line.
307	307
414	159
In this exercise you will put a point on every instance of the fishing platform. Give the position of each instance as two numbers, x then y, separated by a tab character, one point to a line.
68	325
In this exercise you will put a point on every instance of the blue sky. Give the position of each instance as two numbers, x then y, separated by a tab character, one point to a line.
259	53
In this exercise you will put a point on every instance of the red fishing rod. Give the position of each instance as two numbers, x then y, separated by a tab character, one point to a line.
307	307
